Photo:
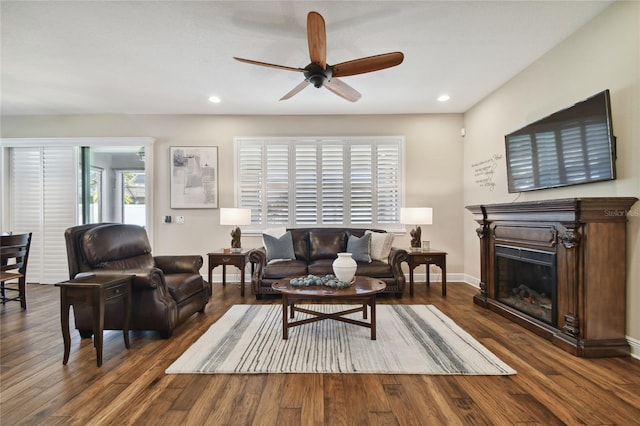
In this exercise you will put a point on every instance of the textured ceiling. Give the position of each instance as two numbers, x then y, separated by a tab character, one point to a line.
168	57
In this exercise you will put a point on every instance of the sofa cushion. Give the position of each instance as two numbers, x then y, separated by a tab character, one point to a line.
300	243
116	242
326	245
289	268
360	248
375	269
279	248
381	243
321	267
184	285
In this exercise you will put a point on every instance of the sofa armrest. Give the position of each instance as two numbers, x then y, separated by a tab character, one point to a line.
396	257
178	264
258	259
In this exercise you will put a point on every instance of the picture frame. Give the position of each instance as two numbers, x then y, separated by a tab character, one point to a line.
194	177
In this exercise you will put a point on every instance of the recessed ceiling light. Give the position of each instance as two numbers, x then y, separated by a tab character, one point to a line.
214	99
444	98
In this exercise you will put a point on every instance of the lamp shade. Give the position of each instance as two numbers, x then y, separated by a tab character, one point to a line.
235	216
416	215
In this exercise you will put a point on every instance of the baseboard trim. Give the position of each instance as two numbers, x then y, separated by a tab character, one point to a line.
635	347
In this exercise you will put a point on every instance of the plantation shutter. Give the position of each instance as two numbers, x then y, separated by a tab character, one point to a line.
251	179
333	184
388	183
306	184
361	184
320	181
277	183
44	201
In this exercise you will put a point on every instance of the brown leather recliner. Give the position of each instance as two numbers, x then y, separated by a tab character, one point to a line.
166	289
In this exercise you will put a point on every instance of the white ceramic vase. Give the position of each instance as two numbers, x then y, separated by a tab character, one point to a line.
344	267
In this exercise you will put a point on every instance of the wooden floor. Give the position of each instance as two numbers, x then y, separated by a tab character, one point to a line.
551	386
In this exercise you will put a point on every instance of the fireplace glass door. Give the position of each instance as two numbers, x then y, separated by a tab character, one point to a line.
526	281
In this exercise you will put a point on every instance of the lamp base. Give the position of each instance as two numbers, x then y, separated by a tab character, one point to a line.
235	239
415	238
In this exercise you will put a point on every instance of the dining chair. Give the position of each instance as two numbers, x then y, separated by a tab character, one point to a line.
14	254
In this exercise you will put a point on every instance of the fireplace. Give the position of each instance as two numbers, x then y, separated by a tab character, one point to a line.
558	268
526	281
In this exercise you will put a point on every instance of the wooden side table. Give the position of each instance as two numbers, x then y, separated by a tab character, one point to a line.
95	291
427	257
238	259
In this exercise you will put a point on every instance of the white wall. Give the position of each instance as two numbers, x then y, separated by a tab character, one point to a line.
604	54
433	167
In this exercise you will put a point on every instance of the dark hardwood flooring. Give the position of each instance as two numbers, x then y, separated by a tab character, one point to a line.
551	386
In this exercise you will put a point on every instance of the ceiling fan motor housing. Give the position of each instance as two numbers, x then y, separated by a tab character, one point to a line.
317	75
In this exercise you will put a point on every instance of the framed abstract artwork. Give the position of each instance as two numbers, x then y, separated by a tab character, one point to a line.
194	177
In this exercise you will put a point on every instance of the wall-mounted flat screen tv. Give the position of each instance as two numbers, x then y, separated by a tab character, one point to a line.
572	146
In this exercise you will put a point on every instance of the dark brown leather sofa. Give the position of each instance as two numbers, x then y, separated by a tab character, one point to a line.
315	250
166	289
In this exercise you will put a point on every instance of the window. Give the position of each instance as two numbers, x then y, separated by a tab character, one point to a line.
96	175
131	185
320	181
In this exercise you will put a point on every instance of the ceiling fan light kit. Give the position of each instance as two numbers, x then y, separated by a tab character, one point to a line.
320	74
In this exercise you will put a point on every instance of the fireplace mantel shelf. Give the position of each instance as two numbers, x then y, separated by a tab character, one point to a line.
587	238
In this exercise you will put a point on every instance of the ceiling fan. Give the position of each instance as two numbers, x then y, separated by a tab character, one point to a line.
321	74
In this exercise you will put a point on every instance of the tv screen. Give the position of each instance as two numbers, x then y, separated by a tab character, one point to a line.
572	146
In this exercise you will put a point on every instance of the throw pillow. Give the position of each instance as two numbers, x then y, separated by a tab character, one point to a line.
381	243
275	232
279	248
360	248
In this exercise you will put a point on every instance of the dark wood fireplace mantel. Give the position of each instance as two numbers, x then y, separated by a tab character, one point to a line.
587	236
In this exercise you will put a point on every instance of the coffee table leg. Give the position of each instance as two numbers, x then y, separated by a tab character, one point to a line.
364	310
285	323
373	317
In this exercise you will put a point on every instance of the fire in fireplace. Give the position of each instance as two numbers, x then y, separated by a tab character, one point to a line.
526	281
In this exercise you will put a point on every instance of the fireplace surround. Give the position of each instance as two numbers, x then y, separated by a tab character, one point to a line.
558	268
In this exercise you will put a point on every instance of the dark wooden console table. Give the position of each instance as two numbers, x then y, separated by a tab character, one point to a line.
95	291
223	258
427	257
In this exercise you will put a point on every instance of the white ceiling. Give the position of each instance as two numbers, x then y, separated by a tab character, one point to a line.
168	57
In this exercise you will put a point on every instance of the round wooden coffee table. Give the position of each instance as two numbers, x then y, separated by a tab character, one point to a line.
363	291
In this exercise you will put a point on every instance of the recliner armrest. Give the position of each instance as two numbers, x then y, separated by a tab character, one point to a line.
143	278
178	264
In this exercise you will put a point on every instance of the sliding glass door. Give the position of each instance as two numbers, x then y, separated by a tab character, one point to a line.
53	184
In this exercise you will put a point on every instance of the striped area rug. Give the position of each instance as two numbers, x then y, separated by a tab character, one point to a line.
411	339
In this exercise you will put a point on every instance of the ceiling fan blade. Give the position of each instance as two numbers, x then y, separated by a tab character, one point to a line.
368	64
317	39
265	64
342	89
295	90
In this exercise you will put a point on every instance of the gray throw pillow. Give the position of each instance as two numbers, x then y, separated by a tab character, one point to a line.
279	248
360	248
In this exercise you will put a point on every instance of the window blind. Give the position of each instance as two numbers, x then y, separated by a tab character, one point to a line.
320	181
42	203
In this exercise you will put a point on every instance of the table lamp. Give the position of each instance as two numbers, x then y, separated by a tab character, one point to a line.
235	217
416	216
